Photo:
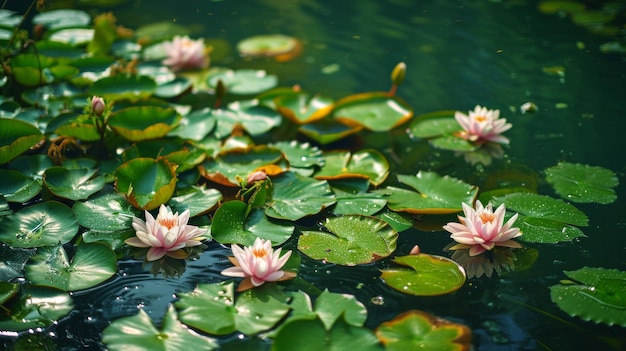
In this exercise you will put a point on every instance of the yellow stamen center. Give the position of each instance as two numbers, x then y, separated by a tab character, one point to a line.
480	118
487	217
168	223
259	252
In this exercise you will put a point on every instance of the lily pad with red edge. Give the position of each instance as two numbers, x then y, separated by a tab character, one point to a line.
435	194
296	197
139	333
350	240
35	306
42	224
543	219
90	265
328	130
124	86
235	222
303	108
424	275
17	187
583	183
16	137
376	111
433	124
253	311
280	47
140	123
596	294
242	81
418	330
146	182
73	184
367	163
231	166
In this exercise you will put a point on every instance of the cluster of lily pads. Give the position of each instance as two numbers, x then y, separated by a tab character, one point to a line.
96	129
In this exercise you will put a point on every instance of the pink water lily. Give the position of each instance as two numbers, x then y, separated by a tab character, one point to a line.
97	105
257	264
168	234
482	125
482	229
185	53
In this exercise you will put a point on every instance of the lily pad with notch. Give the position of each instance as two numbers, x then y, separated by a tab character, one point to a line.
375	111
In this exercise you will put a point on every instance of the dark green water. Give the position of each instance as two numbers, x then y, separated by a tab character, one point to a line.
459	54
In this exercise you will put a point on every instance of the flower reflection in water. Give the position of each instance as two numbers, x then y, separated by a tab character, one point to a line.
499	260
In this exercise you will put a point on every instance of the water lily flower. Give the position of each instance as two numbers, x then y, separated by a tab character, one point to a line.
184	53
482	125
254	176
482	229
97	105
258	264
168	234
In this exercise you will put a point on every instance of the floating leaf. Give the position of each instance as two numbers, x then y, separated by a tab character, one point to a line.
599	296
436	194
280	46
583	183
43	224
353	197
64	18
243	81
426	275
195	125
300	155
375	111
123	86
16	137
350	240
139	334
544	219
17	187
73	36
35	307
230	167
91	265
197	200
105	212
418	330
302	108
331	307
73	184
296	197
145	182
138	123
367	163
433	124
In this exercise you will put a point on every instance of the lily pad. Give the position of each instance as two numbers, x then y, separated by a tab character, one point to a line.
235	222
91	265
16	137
195	125
328	130
197	200
105	212
35	307
302	108
597	294
353	197
583	183
139	333
17	187
433	124
73	184
230	167
146	182
418	330
124	86
424	275
269	45
330	307
377	112
350	240
63	18
255	310
544	219
243	81
43	224
300	155
140	123
435	194
368	163
296	197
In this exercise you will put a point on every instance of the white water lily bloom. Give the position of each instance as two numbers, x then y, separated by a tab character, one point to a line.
481	229
184	53
257	264
483	125
165	235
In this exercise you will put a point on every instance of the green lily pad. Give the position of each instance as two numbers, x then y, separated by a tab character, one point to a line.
543	219
9	19
35	307
328	130
230	167
138	333
105	212
268	45
300	155
255	119
123	86
43	224
418	330
73	184
368	163
243	81
330	307
561	5
173	88
17	187
452	143
255	310
296	197
598	296
146	182
377	112
7	290
435	194
140	123
16	137
424	275
306	335
197	200
583	183
91	265
302	108
195	125
79	129
350	240
433	124
234	222
64	18
353	197
73	36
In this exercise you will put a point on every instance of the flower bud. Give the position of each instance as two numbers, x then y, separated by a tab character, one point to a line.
97	105
398	73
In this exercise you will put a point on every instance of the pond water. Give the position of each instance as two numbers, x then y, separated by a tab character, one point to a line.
459	54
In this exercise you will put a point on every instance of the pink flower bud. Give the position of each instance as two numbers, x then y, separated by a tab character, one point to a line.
254	176
97	105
